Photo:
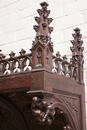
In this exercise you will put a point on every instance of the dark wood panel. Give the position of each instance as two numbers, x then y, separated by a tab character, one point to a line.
15	82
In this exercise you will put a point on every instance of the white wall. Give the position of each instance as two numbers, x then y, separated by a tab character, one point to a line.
17	20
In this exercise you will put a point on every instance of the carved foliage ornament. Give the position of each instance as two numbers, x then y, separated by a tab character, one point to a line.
43	30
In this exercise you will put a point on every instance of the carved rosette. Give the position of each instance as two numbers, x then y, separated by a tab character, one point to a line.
43	30
77	54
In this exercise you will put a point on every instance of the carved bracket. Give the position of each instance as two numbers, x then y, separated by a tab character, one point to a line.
43	112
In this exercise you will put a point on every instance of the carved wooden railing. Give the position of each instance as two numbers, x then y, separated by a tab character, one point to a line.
15	64
63	67
23	62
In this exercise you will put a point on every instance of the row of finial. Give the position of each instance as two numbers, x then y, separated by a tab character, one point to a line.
15	64
12	54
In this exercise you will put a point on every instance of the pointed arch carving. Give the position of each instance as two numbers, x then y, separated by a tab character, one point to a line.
71	107
39	57
47	55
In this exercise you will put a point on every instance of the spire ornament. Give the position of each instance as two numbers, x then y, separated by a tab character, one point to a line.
43	29
42	40
77	54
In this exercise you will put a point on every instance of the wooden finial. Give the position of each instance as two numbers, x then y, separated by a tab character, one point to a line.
77	53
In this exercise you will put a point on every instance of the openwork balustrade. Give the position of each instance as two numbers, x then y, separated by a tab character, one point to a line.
62	67
15	64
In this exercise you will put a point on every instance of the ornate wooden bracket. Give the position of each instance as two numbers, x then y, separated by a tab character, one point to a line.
43	112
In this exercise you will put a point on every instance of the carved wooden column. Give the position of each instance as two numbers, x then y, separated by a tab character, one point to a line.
77	54
42	47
